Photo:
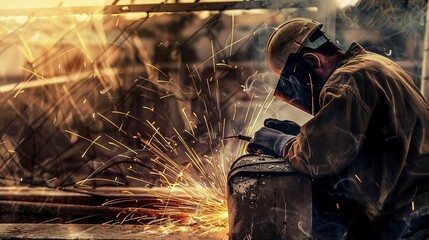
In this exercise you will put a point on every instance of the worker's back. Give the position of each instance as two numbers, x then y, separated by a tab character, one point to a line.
391	171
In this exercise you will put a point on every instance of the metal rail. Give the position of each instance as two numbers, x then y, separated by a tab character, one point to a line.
167	7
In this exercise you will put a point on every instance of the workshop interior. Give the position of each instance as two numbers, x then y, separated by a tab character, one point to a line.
134	112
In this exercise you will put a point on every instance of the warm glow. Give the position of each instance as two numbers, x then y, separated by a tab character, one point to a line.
25	4
345	3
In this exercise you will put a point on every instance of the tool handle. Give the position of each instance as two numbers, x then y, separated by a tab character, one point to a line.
243	137
239	136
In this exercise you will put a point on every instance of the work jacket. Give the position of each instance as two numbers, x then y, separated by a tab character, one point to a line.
370	136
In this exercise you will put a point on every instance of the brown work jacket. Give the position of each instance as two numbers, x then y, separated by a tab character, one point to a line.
370	136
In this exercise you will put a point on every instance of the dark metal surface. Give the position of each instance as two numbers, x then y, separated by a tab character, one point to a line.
106	204
97	231
268	200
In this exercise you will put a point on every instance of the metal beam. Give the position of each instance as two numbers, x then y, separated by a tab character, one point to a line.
424	81
172	7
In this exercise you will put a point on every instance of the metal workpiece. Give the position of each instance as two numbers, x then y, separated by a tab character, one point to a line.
267	199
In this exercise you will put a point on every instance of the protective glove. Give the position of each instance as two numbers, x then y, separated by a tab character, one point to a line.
285	126
268	141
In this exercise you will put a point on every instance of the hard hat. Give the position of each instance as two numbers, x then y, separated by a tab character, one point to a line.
289	38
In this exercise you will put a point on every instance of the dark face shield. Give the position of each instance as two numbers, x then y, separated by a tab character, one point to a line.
296	85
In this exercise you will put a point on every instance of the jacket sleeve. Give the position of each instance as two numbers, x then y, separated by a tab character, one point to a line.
334	136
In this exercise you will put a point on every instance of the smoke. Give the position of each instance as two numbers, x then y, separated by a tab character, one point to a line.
261	84
396	35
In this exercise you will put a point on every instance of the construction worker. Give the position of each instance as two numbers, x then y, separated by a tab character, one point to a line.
367	146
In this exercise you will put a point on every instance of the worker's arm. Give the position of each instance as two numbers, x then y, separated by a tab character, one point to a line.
269	141
333	138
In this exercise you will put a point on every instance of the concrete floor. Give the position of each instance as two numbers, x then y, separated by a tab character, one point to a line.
97	231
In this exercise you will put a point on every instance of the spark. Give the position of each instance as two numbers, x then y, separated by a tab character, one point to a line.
208	129
223	49
87	139
214	62
193	81
43	66
263	106
235	112
248	108
223	65
166	96
157	69
82	218
97	73
140	180
148	108
50	220
189	122
193	182
117	21
156	133
85	50
90	145
126	115
191	134
357	177
73	102
232	34
269	104
218	105
148	89
209	90
99	179
121	144
109	121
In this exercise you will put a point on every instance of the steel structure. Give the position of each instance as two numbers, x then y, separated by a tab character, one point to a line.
166	7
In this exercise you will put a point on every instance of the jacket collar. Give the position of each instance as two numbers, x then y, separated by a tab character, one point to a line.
353	51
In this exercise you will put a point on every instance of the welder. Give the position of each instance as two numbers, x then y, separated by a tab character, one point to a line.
366	147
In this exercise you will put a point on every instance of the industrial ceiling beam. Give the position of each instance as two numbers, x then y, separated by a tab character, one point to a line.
167	7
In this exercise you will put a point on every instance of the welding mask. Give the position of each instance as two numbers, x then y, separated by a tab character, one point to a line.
296	85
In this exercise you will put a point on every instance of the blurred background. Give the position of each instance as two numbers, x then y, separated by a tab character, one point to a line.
102	96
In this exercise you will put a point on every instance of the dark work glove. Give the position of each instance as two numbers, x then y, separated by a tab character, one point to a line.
269	141
285	126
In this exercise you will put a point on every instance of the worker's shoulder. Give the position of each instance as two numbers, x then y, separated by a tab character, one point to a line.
369	63
366	68
359	77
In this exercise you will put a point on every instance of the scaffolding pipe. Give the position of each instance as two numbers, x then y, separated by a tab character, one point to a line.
425	68
166	7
